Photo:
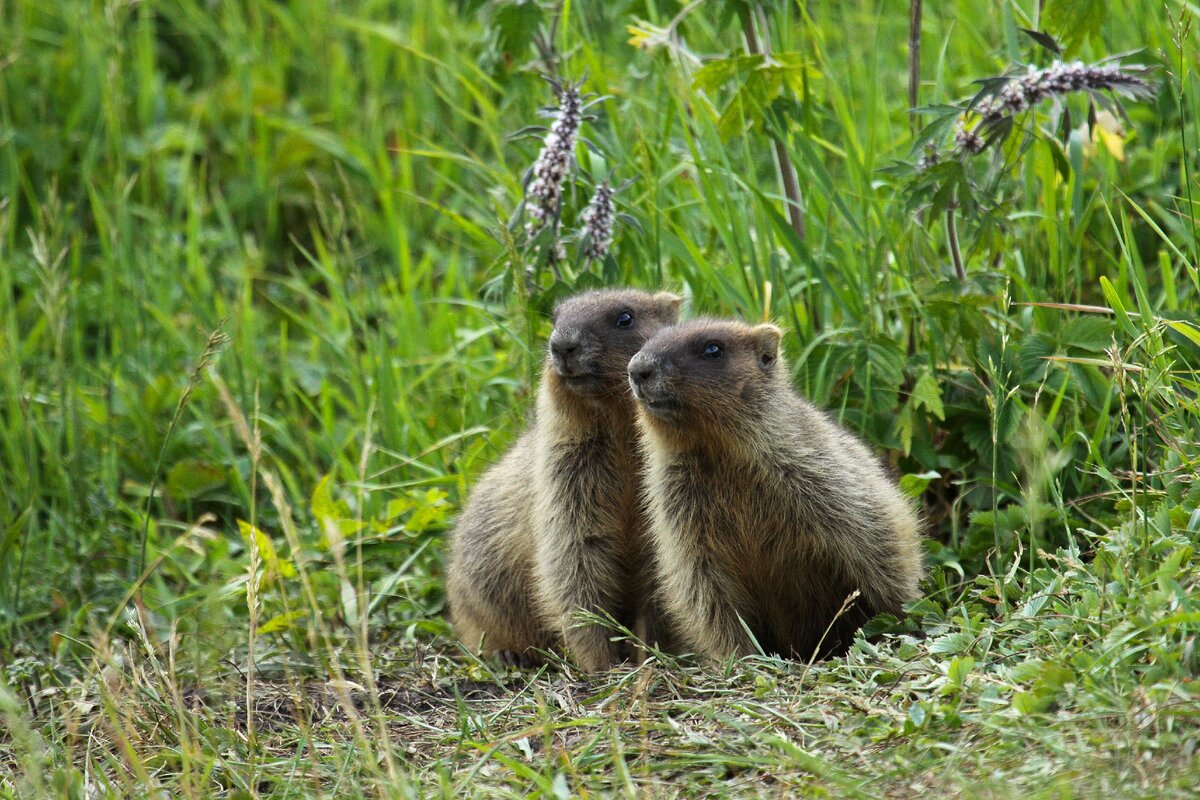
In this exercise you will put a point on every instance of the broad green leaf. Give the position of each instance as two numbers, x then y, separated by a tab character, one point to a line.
960	667
952	643
1088	333
928	394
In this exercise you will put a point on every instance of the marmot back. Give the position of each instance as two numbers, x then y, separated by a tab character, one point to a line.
556	525
762	507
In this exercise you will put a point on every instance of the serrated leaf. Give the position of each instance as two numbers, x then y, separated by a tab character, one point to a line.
886	361
927	394
1073	21
959	669
1088	333
1026	671
1031	358
1055	676
952	643
1031	702
515	23
397	506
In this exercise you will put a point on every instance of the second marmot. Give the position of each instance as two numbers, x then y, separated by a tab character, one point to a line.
557	526
763	510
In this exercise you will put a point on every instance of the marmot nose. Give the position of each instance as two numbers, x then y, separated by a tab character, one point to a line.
641	371
563	345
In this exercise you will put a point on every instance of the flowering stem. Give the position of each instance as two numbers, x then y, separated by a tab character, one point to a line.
598	218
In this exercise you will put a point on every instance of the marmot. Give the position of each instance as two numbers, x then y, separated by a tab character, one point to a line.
557	525
762	508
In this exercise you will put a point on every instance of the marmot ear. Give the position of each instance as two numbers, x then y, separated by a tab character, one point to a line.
668	304
766	343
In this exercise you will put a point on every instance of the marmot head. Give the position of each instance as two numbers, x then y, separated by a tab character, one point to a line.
706	373
597	332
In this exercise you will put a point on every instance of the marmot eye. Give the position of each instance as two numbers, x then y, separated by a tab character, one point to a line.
624	319
713	350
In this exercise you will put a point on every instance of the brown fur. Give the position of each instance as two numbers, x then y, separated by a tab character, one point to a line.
557	526
761	506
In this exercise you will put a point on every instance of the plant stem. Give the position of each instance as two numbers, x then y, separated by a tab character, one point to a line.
216	340
952	235
787	172
914	86
914	61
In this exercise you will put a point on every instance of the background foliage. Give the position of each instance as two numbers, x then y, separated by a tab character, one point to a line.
264	319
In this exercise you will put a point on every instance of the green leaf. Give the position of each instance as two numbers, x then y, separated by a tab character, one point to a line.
397	506
1026	671
281	622
914	484
515	22
1088	333
959	669
432	511
716	73
191	478
903	430
1031	357
323	506
927	394
276	566
952	643
1114	301
1073	21
332	514
1031	702
1188	329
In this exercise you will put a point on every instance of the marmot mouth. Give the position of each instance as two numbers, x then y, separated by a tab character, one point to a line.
582	382
661	407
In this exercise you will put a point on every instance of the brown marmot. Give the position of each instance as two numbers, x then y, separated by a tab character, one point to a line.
763	510
557	526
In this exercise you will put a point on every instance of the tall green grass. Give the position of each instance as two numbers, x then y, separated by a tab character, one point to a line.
329	185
